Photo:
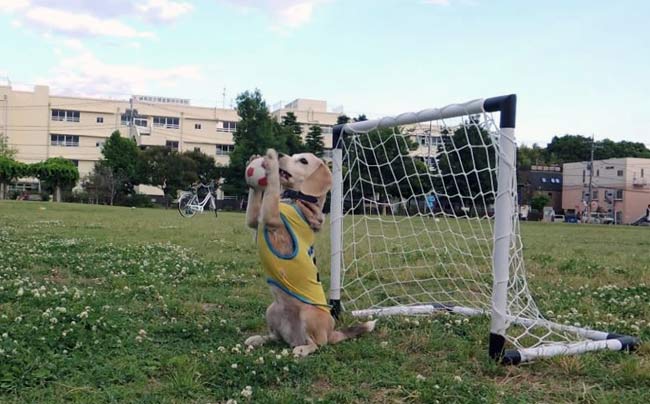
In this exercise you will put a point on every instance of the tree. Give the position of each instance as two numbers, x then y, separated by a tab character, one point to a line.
568	148
529	156
122	156
314	143
5	149
539	201
291	130
360	118
342	119
101	183
56	173
10	169
254	135
169	169
389	178
206	168
464	170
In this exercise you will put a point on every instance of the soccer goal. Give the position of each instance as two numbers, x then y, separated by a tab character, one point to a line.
424	219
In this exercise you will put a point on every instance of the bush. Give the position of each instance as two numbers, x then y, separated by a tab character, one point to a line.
138	201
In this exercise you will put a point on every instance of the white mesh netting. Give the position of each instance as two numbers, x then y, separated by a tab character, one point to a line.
418	221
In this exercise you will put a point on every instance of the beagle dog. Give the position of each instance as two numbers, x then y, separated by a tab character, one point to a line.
299	314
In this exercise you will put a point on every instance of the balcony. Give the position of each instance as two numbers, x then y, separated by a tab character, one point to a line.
639	182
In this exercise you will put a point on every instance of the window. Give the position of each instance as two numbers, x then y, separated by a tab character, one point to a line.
642	173
100	119
172	144
64	140
619	173
225	149
227	126
75	162
197	126
99	144
619	195
197	149
583	176
594	195
65	115
166	122
598	173
543	179
142	122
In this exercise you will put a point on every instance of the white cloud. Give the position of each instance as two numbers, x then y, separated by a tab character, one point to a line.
75	24
86	75
94	18
284	13
164	10
10	6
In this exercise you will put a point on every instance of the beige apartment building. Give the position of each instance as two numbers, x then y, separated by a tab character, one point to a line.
620	188
40	125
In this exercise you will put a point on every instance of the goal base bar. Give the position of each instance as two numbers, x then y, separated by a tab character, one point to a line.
597	340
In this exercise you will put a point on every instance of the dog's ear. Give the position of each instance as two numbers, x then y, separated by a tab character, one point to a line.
319	182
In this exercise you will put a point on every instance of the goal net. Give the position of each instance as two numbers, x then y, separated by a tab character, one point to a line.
424	219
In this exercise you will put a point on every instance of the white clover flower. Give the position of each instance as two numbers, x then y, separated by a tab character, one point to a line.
419	377
221	349
384	344
458	379
20	292
138	338
278	356
234	366
285	352
286	368
231	401
142	333
247	392
259	360
54	320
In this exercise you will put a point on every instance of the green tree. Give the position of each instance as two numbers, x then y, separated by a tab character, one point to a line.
465	172
122	156
5	148
101	183
254	135
342	119
529	156
291	130
380	180
539	201
56	174
206	168
314	143
169	169
568	148
10	169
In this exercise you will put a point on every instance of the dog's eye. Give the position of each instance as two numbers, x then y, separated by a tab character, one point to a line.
304	161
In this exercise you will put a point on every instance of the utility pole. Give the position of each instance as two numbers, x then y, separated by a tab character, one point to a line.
223	98
591	177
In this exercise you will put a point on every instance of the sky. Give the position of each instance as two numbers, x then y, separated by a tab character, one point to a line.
579	67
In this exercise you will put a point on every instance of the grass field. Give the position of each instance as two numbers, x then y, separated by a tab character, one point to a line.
101	304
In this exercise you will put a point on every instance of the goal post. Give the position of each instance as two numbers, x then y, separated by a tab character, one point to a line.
424	219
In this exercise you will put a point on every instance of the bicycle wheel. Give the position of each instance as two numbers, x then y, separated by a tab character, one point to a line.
184	205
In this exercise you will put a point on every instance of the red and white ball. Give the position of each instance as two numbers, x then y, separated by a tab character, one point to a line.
256	174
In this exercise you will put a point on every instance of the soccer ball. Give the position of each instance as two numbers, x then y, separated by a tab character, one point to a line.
256	174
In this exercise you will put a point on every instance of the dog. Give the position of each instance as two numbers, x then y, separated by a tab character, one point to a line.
299	314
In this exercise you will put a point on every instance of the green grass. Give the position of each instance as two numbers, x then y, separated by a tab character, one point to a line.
101	304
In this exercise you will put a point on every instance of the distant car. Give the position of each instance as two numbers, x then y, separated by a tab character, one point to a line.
571	219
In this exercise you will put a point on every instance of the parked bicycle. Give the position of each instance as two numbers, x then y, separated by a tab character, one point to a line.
192	201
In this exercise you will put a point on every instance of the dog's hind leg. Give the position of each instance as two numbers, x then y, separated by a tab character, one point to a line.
303	350
351	332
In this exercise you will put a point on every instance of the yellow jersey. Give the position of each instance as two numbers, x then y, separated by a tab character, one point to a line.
295	273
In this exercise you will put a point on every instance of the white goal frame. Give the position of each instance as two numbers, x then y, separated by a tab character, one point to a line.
504	227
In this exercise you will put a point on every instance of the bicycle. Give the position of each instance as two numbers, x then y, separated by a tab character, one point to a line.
189	202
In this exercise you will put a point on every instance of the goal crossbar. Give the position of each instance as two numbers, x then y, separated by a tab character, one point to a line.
505	240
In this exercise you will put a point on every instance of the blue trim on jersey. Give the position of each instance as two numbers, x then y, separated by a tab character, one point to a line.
293	254
278	285
302	216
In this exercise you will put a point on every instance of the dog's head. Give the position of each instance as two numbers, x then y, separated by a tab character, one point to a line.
306	173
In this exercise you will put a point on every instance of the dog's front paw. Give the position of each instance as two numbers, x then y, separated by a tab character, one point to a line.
271	163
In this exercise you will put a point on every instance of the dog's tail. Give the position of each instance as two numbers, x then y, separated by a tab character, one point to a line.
352	332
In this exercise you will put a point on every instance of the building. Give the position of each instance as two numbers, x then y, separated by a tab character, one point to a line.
546	180
620	188
40	125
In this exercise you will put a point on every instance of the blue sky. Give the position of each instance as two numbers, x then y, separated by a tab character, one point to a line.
577	66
